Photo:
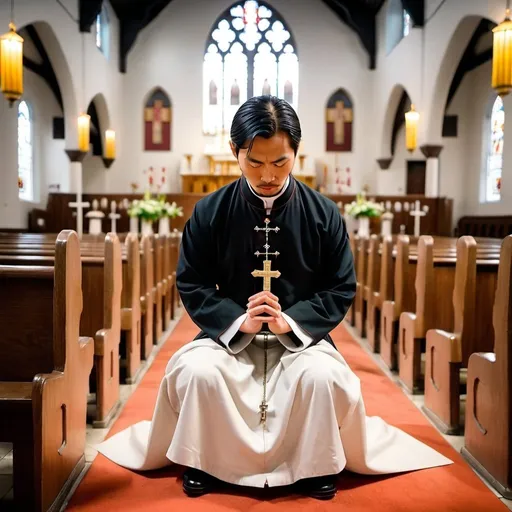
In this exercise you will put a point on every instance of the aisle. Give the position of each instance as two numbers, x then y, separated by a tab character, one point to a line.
453	488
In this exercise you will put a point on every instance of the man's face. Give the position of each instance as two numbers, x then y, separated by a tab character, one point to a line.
268	165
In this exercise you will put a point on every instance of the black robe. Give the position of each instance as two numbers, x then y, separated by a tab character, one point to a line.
317	283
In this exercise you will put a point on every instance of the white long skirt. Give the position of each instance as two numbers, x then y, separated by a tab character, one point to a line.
207	417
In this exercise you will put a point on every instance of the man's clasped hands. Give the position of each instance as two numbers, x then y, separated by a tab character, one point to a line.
264	303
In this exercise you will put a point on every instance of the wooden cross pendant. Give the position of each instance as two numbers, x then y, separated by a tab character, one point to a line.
267	274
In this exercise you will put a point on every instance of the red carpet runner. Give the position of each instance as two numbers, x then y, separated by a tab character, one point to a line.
108	487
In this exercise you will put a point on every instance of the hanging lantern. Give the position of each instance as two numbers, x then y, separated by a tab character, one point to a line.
411	129
84	132
502	56
11	65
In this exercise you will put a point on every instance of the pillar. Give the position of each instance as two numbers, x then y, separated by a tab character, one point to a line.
431	152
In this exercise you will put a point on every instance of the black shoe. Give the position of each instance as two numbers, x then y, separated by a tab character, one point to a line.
196	482
320	487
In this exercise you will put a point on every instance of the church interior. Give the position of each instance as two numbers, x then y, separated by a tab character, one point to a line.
115	121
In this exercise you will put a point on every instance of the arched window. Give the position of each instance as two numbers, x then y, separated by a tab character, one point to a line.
25	153
495	152
249	52
103	31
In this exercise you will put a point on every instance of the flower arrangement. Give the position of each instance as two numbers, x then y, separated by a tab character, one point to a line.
172	210
153	206
148	208
362	207
20	182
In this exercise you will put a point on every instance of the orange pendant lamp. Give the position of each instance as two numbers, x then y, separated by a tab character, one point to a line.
502	56
11	65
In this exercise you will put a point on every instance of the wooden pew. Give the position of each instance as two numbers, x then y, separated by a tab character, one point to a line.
106	339
371	283
404	297
361	272
353	241
404	291
383	293
175	249
488	427
146	296
130	309
447	352
435	277
44	373
29	244
158	287
101	315
167	282
488	226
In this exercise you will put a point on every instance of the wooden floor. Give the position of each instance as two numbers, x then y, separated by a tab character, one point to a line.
96	436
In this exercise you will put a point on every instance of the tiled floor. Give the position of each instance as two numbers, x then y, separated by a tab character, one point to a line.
96	436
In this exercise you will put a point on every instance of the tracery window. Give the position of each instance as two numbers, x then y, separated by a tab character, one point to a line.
250	52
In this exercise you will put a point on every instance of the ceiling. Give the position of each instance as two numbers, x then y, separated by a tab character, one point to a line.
134	15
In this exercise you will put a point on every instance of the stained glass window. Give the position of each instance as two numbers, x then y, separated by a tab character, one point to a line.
25	153
250	52
103	31
495	155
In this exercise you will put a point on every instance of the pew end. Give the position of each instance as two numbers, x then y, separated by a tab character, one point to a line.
488	443
373	321
103	323
388	334
443	381
146	296
409	353
45	379
487	429
131	310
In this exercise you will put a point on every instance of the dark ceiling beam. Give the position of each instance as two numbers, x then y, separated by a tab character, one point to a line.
133	18
45	69
470	59
89	10
480	59
33	66
416	10
361	19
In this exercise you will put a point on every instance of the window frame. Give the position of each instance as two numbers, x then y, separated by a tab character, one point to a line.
223	94
488	141
23	197
103	21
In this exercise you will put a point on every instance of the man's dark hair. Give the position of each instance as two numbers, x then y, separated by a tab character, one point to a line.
264	116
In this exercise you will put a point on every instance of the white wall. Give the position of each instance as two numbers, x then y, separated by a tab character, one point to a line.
169	53
60	35
49	159
479	99
424	64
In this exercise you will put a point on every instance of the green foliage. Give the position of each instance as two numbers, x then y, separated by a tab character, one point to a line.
362	207
153	209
